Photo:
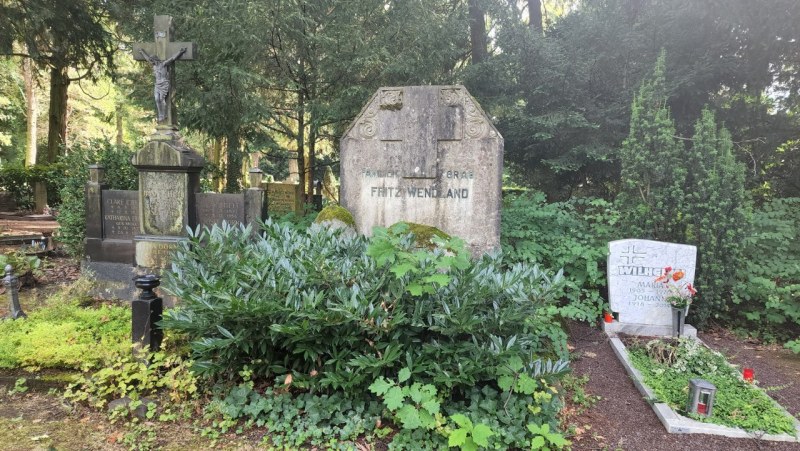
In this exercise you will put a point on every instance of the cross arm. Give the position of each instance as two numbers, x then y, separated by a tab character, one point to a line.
171	48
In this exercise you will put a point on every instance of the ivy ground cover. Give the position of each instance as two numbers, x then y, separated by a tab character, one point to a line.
667	367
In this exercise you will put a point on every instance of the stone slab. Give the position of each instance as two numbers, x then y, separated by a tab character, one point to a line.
213	208
120	214
633	266
164	203
428	155
112	280
646	330
155	252
112	251
678	424
284	198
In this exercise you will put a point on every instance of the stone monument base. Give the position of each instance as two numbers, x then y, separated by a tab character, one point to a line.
614	328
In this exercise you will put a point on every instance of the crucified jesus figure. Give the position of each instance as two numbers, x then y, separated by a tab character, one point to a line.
161	71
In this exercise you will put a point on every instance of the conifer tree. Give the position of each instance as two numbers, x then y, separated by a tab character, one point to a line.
716	215
653	173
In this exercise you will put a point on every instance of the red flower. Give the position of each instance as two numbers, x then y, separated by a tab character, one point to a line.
691	289
668	269
678	275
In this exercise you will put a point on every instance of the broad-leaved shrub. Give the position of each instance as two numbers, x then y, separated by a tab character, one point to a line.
571	235
315	305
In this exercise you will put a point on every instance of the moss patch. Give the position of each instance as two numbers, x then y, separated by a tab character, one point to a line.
335	212
423	234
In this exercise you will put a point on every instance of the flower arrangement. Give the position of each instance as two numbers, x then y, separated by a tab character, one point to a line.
681	293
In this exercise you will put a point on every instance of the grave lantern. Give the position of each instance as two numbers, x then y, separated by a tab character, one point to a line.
701	397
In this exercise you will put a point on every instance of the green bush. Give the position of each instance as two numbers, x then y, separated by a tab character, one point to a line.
65	335
120	174
571	235
19	180
314	304
767	294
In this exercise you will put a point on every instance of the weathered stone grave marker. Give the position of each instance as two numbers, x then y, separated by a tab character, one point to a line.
284	198
135	232
634	295
425	154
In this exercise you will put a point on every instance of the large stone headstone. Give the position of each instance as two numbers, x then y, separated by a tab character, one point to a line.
425	154
633	266
169	177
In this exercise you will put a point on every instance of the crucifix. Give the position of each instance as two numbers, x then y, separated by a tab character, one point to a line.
162	54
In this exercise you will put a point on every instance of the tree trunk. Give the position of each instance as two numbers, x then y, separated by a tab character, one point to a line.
535	16
477	32
120	139
312	154
31	111
216	159
57	127
301	138
234	164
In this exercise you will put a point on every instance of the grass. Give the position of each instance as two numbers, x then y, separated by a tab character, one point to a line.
668	366
65	334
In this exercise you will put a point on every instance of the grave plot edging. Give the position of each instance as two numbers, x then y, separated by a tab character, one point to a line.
678	424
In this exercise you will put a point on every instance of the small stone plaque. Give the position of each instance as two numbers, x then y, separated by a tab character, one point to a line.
120	214
155	252
284	198
213	208
633	266
425	154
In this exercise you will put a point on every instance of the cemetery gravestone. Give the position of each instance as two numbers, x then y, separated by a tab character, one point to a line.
284	198
215	208
112	221
634	295
424	154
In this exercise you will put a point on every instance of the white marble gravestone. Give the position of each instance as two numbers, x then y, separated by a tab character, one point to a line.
634	295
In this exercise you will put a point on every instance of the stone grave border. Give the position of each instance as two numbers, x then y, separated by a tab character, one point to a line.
679	424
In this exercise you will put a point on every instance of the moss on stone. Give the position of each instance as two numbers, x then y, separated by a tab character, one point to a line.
335	213
423	234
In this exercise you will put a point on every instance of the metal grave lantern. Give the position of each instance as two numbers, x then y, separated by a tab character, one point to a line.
701	397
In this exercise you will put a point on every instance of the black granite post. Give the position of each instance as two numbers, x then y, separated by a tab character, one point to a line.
11	283
146	313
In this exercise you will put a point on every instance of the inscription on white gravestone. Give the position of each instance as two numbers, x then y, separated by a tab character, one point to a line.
633	266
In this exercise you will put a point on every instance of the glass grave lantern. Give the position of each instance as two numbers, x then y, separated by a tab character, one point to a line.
701	397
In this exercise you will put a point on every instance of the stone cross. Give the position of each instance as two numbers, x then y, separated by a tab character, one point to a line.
162	54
